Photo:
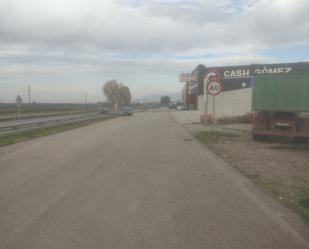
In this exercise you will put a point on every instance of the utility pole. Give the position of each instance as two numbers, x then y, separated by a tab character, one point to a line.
29	94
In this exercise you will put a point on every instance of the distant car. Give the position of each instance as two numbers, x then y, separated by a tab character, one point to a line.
172	106
127	111
104	111
180	108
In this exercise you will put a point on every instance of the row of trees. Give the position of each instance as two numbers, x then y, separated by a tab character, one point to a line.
165	100
116	93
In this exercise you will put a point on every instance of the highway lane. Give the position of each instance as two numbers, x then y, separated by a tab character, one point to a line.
134	182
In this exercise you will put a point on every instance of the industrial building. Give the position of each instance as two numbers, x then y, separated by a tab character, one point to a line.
237	82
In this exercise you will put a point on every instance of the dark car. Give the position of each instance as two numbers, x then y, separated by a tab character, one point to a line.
104	111
172	106
127	111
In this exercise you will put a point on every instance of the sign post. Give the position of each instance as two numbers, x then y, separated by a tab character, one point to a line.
205	97
214	88
213	108
191	84
211	77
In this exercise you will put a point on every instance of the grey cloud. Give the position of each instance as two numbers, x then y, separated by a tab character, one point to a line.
137	40
154	27
198	13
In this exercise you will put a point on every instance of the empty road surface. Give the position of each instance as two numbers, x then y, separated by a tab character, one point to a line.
134	182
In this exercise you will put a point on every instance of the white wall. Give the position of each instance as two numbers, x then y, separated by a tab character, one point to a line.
230	103
200	104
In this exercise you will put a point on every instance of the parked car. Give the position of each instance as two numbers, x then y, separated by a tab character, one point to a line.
172	106
182	108
127	111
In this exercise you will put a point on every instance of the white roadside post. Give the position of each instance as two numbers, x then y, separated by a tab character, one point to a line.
19	101
214	88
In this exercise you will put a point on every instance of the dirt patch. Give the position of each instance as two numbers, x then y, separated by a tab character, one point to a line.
281	168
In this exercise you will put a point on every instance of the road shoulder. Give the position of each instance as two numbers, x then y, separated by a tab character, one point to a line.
260	176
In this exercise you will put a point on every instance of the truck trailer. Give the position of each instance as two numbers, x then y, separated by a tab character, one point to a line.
281	106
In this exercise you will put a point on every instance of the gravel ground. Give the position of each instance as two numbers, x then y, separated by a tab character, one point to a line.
281	168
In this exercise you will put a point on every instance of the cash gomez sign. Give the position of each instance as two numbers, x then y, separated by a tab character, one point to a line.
213	83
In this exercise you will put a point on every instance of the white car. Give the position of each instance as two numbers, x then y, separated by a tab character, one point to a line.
180	108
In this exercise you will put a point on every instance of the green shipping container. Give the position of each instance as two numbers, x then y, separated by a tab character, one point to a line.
279	92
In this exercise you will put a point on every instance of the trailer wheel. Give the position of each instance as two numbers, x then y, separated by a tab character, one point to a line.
301	140
258	137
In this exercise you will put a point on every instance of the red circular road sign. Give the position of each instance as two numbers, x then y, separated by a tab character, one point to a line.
214	88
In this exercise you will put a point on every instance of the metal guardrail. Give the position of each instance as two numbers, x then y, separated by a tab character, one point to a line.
36	125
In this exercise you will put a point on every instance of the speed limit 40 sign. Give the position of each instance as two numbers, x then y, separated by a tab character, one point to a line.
214	88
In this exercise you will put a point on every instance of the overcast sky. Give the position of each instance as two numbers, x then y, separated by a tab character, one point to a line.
63	48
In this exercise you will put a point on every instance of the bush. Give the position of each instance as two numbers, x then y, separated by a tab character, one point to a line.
243	119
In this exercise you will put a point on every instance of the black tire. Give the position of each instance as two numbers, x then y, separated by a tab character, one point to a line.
258	137
301	140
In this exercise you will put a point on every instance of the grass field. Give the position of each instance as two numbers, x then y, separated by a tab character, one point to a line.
213	136
9	111
12	116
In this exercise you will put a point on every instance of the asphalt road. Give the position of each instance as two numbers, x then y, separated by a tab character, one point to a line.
134	182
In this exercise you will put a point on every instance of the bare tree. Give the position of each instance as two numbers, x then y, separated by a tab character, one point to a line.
125	95
116	93
111	92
